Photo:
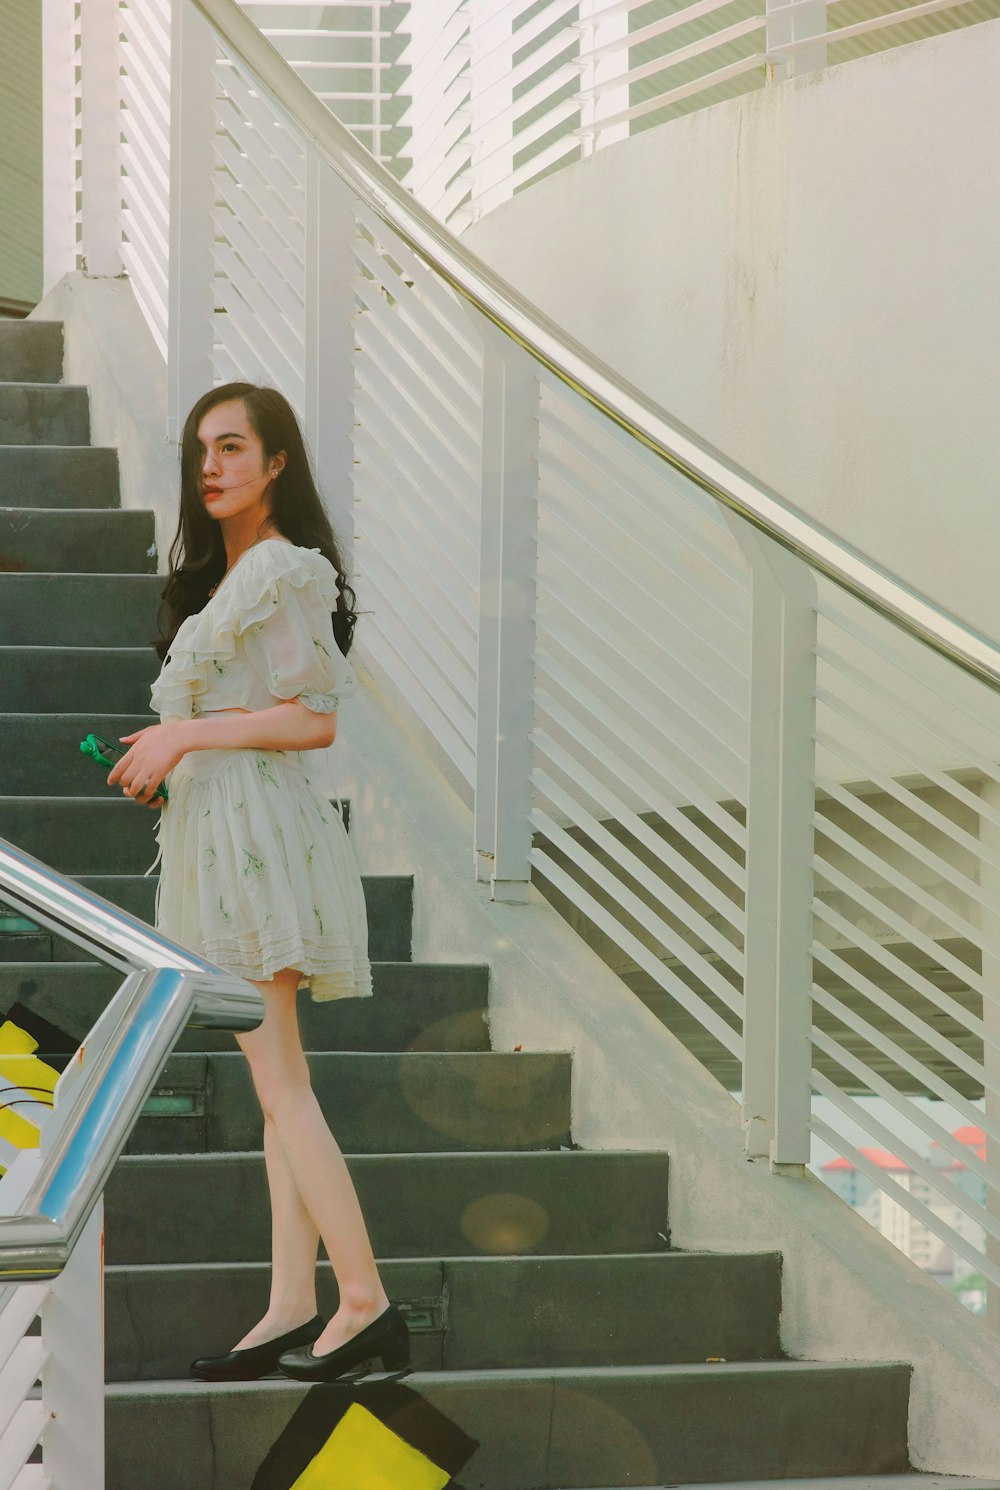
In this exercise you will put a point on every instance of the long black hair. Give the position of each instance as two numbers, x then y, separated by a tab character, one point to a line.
198	554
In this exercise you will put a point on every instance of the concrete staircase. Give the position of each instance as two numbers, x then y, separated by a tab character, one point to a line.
550	1319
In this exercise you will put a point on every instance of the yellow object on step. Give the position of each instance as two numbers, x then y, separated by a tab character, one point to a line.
27	1084
363	1454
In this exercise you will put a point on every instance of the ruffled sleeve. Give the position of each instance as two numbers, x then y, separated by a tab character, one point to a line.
291	646
276	608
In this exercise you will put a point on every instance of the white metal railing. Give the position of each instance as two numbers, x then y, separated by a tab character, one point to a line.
51	1196
756	770
504	91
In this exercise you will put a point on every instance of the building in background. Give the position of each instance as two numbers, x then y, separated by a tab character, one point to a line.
912	1236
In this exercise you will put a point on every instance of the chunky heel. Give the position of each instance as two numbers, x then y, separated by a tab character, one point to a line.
386	1339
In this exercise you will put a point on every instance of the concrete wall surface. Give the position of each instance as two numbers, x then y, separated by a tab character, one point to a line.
848	1294
807	277
20	152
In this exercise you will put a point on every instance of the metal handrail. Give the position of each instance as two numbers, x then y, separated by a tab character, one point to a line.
103	1091
571	362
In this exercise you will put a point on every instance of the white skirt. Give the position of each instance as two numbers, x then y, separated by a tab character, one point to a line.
258	872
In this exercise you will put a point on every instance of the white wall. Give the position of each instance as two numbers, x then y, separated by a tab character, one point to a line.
808	276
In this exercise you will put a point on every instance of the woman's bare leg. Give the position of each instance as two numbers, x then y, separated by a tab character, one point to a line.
306	1162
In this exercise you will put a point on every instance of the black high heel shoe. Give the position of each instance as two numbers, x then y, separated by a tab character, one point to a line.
386	1339
256	1360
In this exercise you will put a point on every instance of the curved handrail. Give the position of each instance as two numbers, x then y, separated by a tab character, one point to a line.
593	380
103	1091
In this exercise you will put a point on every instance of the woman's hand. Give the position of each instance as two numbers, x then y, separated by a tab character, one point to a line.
154	751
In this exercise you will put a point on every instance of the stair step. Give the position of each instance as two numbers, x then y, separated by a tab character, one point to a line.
59	475
31	351
388	898
641	1425
376	1103
53	540
81	680
79	610
475	1313
44	414
214	1208
416	1006
40	753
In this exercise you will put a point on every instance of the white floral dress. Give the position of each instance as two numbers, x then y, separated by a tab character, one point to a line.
258	872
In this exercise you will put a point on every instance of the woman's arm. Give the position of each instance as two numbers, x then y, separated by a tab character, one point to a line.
155	750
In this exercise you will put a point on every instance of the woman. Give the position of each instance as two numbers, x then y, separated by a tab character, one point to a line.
258	874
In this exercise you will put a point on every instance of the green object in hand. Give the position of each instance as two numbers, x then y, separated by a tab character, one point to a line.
105	754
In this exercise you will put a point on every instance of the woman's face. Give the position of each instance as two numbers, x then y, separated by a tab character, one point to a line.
235	477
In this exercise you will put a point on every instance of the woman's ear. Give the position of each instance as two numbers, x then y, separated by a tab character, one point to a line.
276	464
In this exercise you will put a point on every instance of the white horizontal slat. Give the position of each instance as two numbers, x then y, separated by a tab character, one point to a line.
279	221
928	775
454	405
19	1305
282	336
932	721
903	1198
19	1373
444	463
400	528
907	1062
260	354
897	969
711	759
529	101
30	1422
668	60
437	296
711	720
148	81
636	908
645	479
905	929
599	790
137	205
885	871
897	1144
509	41
885	827
272	295
401	489
434	334
646	874
637	538
566	109
457	631
755	63
455	672
152	24
963	696
153	313
236	253
147	180
494	196
421	666
730	1039
661	766
271	175
509	77
874	23
275	139
454	744
143	120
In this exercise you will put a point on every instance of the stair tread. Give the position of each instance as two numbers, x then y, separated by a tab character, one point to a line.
178	1387
498	1259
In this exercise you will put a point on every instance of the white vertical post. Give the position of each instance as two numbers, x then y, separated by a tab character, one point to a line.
100	131
777	1024
602	99
58	141
329	410
508	544
785	22
491	95
190	297
73	1378
989	880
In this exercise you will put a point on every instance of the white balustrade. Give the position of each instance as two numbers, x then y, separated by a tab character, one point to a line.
770	809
